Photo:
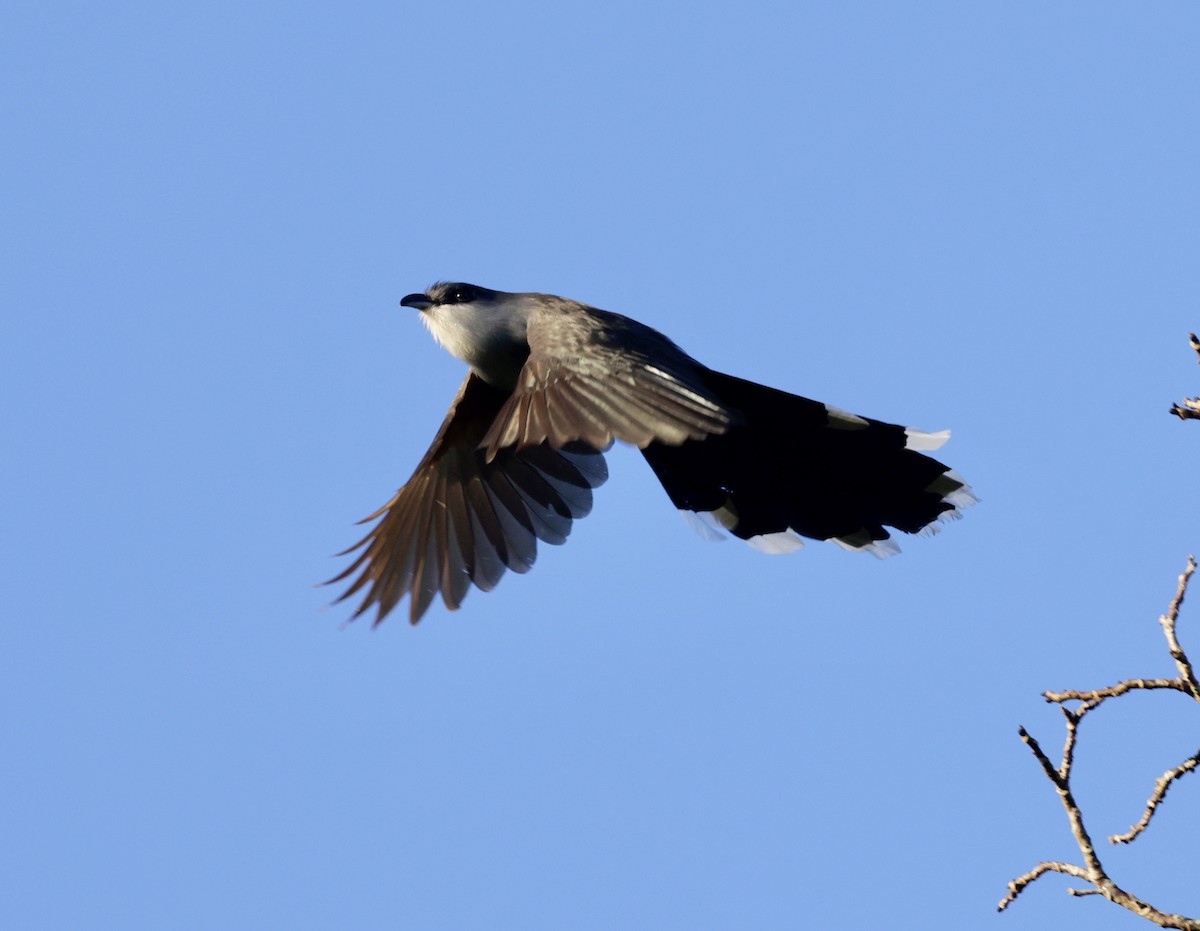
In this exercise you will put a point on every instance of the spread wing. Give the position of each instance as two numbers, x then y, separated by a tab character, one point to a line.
594	376
463	517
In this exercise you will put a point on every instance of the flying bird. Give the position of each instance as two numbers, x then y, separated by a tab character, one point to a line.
553	382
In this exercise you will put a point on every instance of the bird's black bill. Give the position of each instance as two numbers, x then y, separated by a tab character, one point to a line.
419	301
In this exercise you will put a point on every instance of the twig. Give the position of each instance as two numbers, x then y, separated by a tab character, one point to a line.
1160	792
1189	409
1017	886
1061	778
1186	672
1095	696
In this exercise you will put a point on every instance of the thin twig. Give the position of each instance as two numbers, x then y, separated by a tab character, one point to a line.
1160	792
1068	757
1189	409
1186	672
1017	886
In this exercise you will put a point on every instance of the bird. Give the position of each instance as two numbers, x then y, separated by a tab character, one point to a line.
553	382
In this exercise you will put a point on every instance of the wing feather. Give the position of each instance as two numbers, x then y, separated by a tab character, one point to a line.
463	518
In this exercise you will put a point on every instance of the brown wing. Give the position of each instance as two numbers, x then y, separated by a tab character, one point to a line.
594	376
463	519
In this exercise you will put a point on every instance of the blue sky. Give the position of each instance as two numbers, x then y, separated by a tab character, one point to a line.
967	215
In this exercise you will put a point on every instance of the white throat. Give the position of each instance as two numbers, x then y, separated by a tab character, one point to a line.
488	335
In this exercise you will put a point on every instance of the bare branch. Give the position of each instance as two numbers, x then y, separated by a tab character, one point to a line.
1103	886
1160	792
1017	886
1095	696
1061	777
1093	871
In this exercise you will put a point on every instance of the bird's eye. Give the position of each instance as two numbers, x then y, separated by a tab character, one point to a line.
463	294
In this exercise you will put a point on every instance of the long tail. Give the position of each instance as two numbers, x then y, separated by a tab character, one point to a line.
793	467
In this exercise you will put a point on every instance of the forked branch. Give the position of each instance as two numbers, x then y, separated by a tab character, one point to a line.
1092	871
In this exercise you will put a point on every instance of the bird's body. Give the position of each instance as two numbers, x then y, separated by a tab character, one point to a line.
554	382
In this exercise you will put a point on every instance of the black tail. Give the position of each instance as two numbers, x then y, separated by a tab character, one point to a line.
791	464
